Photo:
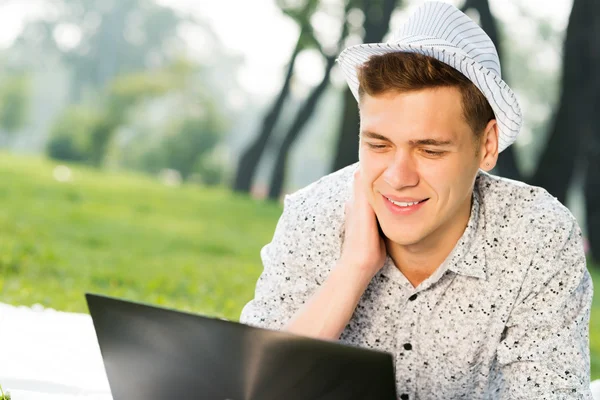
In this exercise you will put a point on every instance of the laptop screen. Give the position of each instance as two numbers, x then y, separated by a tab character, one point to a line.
155	353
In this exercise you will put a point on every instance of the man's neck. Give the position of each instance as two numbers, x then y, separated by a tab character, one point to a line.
419	261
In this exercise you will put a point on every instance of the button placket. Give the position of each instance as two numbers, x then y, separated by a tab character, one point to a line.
406	359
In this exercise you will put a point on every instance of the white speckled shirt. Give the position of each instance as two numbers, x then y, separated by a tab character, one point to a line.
506	315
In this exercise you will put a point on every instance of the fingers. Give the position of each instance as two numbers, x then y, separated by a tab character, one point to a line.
358	189
361	200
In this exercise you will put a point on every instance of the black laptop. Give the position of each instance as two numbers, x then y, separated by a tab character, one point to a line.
153	353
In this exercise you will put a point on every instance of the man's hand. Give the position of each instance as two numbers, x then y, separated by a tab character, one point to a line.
363	248
329	310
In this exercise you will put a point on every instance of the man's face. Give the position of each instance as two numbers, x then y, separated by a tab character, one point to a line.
419	160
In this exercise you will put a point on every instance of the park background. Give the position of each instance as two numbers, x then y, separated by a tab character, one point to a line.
145	145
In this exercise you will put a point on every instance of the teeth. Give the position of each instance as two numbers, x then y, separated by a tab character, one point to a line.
402	204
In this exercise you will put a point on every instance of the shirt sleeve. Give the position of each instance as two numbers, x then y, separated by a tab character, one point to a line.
285	282
544	353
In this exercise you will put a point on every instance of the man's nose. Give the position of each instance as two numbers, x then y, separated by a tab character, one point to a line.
402	171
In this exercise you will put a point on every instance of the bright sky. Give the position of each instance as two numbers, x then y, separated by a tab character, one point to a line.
265	37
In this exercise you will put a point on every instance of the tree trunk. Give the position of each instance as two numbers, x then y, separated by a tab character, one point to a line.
302	117
557	163
590	143
592	195
250	158
348	137
378	14
278	177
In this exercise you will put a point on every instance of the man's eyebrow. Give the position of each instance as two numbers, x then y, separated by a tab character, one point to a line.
420	142
431	142
373	135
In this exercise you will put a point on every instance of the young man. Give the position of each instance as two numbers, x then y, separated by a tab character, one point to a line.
477	284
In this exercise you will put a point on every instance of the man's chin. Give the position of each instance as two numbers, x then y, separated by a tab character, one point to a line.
402	239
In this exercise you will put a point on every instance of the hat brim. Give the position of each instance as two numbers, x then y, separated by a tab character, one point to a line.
501	98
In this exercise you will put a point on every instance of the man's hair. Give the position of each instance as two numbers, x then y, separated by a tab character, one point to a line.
405	72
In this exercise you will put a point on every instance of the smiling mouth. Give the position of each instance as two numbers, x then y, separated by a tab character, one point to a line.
405	204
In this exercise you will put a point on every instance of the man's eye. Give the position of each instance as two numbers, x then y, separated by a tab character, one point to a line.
433	153
376	146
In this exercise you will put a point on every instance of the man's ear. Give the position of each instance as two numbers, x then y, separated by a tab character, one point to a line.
488	146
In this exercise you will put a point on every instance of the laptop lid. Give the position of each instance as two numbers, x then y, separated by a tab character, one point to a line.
153	353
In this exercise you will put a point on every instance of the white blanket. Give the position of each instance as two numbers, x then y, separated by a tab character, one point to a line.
47	355
52	355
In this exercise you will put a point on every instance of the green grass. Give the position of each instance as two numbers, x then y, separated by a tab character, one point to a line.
595	324
127	235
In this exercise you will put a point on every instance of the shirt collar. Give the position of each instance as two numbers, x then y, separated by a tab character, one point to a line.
468	256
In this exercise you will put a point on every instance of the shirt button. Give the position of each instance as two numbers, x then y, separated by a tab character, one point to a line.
413	297
404	396
407	346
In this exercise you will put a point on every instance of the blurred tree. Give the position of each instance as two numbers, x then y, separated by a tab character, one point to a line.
76	48
187	144
575	134
14	102
303	115
192	141
376	25
69	137
251	157
184	138
124	93
211	168
308	107
99	39
574	116
127	91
